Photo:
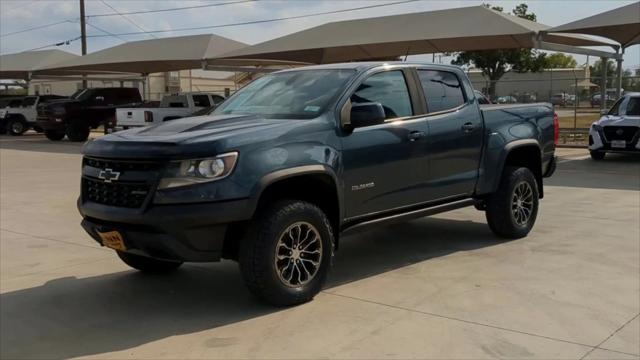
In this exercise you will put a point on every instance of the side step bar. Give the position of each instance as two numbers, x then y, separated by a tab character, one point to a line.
406	216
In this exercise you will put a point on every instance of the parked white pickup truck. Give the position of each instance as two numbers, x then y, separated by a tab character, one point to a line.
171	107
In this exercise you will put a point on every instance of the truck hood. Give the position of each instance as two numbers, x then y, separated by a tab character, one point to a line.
188	137
609	120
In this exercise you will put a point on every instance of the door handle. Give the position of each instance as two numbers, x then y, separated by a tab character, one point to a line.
416	135
468	127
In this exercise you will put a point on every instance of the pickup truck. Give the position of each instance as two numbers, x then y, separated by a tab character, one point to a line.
171	107
85	110
17	120
285	168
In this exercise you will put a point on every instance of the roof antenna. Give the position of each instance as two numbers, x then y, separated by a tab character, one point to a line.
407	54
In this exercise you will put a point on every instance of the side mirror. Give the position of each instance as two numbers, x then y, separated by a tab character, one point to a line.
366	114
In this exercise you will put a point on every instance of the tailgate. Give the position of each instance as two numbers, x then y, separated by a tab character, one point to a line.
130	117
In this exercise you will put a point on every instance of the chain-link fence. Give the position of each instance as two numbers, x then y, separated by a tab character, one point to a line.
577	99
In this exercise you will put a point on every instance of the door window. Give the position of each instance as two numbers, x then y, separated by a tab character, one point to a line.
442	90
201	101
615	109
390	90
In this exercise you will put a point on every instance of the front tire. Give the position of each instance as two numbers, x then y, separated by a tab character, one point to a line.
17	127
76	131
54	135
148	265
287	253
512	210
597	155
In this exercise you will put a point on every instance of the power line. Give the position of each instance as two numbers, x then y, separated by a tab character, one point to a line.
263	21
66	42
171	9
106	32
126	18
36	28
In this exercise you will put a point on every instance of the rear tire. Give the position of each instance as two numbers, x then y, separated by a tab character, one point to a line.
54	135
597	155
76	131
512	210
287	253
17	127
148	265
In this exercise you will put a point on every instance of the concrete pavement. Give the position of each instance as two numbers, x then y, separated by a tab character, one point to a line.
441	287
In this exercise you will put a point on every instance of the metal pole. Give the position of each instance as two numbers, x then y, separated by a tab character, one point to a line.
83	36
619	74
603	89
575	104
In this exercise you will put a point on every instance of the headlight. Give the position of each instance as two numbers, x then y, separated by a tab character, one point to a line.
189	172
596	127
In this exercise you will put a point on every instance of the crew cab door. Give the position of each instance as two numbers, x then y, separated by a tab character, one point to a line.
455	134
383	163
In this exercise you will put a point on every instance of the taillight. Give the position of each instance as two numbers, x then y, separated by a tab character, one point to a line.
148	116
556	128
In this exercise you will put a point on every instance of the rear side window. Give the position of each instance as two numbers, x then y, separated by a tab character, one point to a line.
201	101
442	90
127	95
633	107
389	89
29	101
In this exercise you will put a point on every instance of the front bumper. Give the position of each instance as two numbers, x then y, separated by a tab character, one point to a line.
51	123
185	232
598	142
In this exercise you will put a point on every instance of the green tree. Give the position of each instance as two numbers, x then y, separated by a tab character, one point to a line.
560	61
596	72
495	63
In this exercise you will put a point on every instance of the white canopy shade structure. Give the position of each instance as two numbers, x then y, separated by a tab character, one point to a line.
621	25
155	55
459	29
23	65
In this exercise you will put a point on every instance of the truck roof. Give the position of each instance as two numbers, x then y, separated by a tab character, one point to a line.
366	65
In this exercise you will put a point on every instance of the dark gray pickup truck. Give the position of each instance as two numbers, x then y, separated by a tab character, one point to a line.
296	160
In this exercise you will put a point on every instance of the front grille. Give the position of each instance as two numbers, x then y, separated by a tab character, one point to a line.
129	195
130	189
121	165
626	133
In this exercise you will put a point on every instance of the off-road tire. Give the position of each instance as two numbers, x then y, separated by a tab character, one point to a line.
258	252
500	215
597	155
17	126
76	131
54	135
148	265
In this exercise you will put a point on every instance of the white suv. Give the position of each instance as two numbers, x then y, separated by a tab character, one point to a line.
618	130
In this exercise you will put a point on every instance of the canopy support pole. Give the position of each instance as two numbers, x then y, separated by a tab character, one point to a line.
603	87
619	76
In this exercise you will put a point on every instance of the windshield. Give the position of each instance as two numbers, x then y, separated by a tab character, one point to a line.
81	94
301	94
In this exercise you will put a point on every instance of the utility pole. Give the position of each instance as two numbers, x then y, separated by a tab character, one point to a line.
83	34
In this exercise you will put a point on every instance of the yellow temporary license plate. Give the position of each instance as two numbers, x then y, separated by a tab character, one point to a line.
113	239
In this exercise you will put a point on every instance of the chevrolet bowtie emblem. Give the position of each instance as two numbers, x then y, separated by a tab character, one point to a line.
109	175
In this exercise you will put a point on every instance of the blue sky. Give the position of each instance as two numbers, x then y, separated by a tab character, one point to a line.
16	15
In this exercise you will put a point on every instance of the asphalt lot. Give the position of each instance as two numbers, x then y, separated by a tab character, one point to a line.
441	287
